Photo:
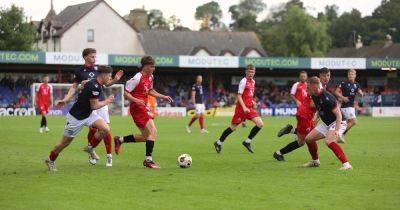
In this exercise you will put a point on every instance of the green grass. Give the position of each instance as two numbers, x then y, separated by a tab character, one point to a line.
234	179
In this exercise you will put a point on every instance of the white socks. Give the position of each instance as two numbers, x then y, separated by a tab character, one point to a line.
346	164
219	142
149	158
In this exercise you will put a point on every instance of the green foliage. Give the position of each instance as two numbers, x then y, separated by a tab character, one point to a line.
298	34
244	14
210	10
156	20
15	33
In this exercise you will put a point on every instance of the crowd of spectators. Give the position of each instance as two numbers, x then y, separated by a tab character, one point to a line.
15	91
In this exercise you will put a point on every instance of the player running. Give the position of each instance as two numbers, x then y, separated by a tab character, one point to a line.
333	123
324	76
44	99
244	110
82	114
86	72
305	122
137	90
197	97
346	92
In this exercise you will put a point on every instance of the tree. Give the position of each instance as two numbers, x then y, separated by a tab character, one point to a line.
15	33
174	22
244	14
156	20
211	12
298	35
388	14
345	29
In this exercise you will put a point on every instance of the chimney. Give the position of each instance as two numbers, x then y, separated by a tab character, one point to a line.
138	18
359	43
388	41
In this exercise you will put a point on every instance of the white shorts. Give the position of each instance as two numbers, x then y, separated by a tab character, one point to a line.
200	108
73	126
349	112
103	113
323	129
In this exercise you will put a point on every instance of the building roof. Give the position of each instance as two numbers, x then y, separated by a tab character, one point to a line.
163	42
71	15
373	51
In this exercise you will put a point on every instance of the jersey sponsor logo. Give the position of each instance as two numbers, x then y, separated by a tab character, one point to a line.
91	74
95	93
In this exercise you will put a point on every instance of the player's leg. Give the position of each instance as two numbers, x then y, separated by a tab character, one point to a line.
63	143
350	119
224	135
253	132
331	139
43	122
297	143
202	110
150	132
72	128
316	134
194	118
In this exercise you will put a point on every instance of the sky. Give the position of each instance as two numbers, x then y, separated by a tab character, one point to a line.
185	9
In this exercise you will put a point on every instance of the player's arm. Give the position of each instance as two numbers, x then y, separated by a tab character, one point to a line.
133	99
241	102
96	104
336	111
156	94
70	94
51	96
338	93
193	97
360	92
116	78
293	91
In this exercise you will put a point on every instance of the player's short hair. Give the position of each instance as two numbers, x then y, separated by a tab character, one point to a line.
147	60
352	70
314	80
324	71
303	72
88	51
250	66
45	75
105	69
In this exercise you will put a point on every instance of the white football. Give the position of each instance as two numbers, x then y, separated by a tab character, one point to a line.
184	161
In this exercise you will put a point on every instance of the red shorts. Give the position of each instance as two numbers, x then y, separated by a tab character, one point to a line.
44	108
304	125
140	115
240	116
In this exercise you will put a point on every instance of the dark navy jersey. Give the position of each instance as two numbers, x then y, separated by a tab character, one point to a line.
81	108
199	97
325	102
349	90
87	73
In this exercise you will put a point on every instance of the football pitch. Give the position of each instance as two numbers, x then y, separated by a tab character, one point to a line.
234	179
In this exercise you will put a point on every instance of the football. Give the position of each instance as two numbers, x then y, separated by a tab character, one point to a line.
184	161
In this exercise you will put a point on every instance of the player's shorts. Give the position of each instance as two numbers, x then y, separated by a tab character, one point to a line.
349	112
304	125
44	108
73	126
103	113
200	108
140	115
240	116
323	129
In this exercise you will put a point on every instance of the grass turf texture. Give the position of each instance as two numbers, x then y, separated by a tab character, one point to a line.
234	179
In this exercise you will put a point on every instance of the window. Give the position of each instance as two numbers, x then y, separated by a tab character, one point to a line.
90	35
